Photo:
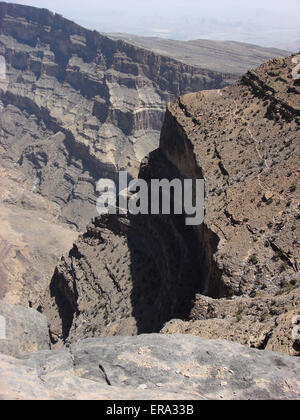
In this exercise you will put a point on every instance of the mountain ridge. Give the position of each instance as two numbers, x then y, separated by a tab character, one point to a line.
225	56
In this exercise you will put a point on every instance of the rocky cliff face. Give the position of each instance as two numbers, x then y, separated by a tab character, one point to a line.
89	105
24	330
130	275
245	139
75	106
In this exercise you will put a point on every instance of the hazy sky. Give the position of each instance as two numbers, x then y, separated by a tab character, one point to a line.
70	6
266	22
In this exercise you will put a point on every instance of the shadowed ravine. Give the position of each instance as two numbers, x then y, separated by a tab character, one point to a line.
147	270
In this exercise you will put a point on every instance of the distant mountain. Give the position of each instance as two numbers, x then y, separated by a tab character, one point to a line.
293	46
223	56
265	26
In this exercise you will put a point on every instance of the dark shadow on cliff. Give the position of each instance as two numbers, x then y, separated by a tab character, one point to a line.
65	302
170	262
166	271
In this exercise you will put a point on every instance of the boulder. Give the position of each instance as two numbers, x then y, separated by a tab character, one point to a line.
22	330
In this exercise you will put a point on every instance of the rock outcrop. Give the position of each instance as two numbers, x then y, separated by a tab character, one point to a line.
151	367
264	323
131	275
245	139
24	330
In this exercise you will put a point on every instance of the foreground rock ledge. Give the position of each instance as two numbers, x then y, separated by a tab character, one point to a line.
26	330
151	367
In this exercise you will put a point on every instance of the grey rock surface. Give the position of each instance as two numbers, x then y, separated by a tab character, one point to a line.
23	330
151	367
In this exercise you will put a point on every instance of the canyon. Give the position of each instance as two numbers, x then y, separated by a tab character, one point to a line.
76	107
236	275
144	292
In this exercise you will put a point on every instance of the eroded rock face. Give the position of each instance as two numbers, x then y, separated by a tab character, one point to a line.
32	238
151	367
243	141
265	323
